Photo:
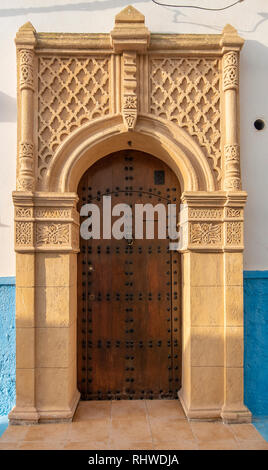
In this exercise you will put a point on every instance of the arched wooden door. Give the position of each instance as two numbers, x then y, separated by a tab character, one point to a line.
129	317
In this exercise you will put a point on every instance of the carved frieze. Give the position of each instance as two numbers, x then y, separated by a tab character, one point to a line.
204	213
49	213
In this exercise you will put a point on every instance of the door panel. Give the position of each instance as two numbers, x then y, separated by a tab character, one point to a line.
129	319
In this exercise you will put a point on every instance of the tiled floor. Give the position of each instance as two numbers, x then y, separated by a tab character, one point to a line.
132	425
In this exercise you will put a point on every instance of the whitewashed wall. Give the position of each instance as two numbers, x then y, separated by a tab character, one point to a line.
251	20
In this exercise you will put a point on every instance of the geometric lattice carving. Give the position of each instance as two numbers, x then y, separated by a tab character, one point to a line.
71	92
187	92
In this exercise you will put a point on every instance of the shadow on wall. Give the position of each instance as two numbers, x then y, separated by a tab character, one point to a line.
8	108
83	6
263	15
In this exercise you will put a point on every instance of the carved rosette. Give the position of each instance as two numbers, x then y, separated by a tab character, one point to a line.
130	99
232	167
230	71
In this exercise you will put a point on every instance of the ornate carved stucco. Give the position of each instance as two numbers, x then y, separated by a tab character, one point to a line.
81	97
77	79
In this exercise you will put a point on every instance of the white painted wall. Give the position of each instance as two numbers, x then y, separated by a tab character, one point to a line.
251	20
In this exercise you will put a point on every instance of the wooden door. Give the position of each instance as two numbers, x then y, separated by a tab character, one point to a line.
129	318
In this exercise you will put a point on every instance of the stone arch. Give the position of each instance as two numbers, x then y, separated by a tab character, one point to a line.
155	135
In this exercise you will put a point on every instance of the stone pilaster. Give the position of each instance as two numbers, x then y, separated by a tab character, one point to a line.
25	41
232	44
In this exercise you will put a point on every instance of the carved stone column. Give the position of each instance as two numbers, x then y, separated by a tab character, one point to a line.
25	41
231	43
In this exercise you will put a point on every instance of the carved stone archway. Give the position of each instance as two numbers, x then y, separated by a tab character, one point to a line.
81	97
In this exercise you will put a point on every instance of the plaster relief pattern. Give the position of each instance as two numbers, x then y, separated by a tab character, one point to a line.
234	233
187	92
52	213
230	212
24	233
205	213
23	212
205	233
52	234
72	91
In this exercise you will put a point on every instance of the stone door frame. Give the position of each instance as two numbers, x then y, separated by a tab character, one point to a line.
175	97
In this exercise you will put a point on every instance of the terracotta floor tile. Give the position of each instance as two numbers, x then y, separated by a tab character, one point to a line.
131	446
128	409
85	445
253	445
180	445
170	430
47	432
33	445
170	409
246	432
135	429
93	410
218	445
212	432
95	402
8	445
14	434
93	430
